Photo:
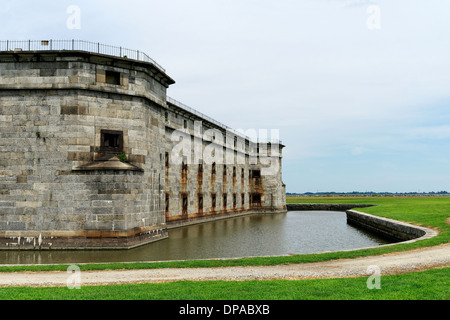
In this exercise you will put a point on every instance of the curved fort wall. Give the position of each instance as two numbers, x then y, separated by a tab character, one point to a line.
91	156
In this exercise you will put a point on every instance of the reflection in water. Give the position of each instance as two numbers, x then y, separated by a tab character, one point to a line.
257	235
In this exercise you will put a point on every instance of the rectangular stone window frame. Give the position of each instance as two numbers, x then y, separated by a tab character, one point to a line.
225	200
256	200
166	159
113	77
256	177
111	141
184	204
213	202
256	173
200	167
200	203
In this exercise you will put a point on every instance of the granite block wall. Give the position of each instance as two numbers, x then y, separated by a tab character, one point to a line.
88	158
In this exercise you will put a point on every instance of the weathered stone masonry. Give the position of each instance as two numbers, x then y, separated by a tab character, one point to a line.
86	156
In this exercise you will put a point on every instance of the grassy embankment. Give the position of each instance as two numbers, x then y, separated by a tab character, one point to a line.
427	285
433	284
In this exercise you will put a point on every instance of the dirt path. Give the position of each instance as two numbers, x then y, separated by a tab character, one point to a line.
416	260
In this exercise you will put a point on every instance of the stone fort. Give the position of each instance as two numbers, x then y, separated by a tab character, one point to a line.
95	155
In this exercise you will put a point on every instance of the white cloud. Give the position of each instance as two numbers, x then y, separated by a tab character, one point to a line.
309	68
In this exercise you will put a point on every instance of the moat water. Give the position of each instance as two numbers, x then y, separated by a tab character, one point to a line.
256	235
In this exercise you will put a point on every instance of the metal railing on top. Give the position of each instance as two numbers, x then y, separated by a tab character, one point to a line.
220	125
76	45
96	47
205	117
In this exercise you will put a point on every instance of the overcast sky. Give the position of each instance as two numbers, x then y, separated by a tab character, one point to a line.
358	89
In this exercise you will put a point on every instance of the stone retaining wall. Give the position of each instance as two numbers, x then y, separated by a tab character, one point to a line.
324	206
393	229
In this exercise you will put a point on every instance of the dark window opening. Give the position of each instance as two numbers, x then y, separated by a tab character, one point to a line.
213	171
200	203
213	202
224	170
185	124
167	160
111	141
225	201
112	77
167	204
256	174
234	172
184	165
185	204
166	115
256	200
234	200
243	199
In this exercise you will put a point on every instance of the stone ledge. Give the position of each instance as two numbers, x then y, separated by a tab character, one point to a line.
90	240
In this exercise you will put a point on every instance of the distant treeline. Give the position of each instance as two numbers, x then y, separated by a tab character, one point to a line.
367	194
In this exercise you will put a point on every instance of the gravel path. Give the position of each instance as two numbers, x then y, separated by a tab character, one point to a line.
421	259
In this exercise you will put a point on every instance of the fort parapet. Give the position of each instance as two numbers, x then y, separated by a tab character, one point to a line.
91	156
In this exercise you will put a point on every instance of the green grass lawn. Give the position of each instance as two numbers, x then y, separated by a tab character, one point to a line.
428	285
